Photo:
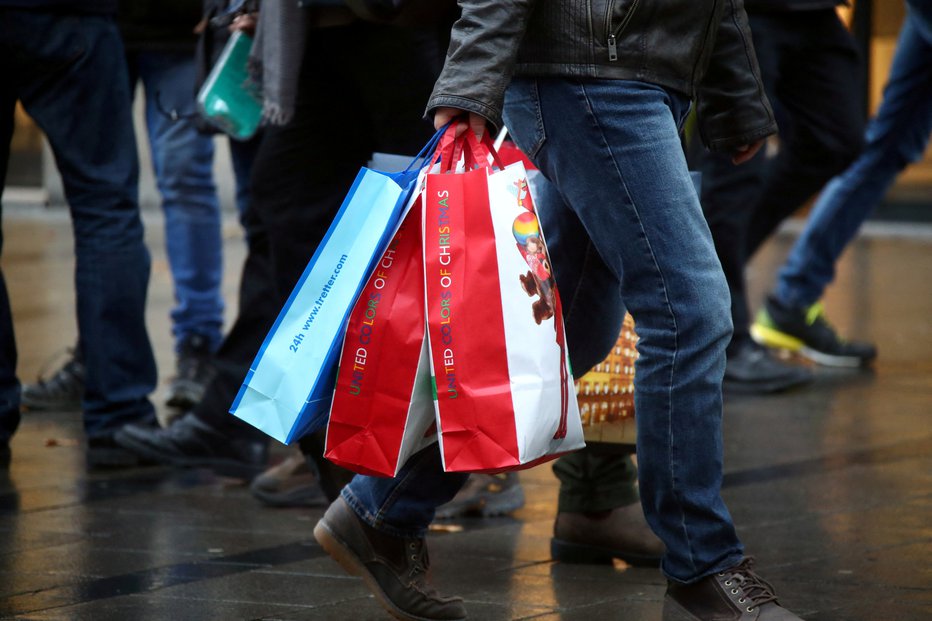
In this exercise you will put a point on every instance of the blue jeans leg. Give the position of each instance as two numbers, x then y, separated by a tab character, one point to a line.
71	78
897	136
183	161
630	228
404	505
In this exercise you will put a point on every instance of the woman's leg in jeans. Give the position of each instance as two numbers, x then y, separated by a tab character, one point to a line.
183	161
897	136
612	149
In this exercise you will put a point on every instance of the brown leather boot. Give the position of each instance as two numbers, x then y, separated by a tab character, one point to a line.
597	538
394	568
736	594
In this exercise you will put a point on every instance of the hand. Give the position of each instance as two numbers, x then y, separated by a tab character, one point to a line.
746	152
245	22
476	122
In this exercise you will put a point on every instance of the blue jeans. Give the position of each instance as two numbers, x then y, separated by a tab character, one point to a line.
69	73
623	223
183	161
897	136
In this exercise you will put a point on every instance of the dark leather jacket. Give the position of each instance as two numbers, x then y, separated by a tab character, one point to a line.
699	47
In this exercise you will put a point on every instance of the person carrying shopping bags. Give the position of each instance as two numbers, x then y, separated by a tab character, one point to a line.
596	99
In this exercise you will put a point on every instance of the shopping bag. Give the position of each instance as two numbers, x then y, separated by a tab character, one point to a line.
606	392
383	410
504	391
289	387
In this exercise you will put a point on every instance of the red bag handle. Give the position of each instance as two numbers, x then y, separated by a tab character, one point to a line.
482	149
446	150
476	152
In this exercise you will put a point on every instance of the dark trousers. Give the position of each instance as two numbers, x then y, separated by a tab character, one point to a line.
362	89
809	65
69	74
600	477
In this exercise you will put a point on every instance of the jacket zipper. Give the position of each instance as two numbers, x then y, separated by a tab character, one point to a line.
613	34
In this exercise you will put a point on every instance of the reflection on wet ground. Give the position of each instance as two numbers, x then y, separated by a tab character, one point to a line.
831	485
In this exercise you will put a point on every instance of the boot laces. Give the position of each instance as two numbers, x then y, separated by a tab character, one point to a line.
417	558
756	590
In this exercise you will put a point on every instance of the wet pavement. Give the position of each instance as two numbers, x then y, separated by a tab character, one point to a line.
830	485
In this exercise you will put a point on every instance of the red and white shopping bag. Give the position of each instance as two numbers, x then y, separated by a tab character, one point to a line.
504	392
383	409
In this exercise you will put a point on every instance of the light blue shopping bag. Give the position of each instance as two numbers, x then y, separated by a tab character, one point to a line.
288	389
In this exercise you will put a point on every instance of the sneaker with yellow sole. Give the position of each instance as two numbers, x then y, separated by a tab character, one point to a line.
807	332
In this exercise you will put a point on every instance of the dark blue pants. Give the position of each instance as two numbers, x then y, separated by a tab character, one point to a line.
69	73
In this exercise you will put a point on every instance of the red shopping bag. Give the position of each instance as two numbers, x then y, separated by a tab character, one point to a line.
504	392
383	408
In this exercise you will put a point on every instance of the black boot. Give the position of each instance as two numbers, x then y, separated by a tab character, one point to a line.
193	373
190	442
394	568
736	594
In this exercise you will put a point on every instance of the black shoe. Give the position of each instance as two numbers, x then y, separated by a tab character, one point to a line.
104	452
62	392
808	332
487	495
598	538
752	369
193	373
393	568
192	443
736	594
291	483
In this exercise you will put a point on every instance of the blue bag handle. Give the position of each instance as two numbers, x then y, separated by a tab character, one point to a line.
428	149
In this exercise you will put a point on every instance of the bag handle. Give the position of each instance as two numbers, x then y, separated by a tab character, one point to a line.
482	150
432	148
447	152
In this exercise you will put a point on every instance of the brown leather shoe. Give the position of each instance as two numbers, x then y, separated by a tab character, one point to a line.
394	568
736	594
289	484
486	495
597	538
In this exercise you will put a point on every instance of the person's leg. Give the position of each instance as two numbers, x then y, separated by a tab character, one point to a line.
729	195
599	516
792	317
209	436
642	229
596	479
819	69
85	92
632	192
183	161
242	157
897	136
9	384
